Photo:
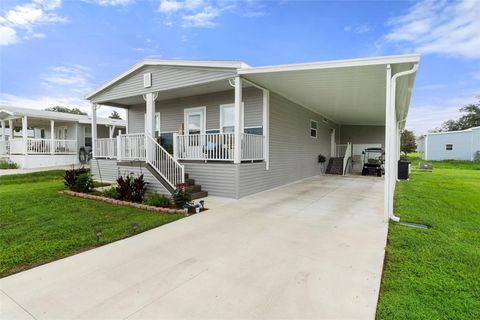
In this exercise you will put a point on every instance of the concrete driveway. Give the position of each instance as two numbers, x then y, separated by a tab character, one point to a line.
313	249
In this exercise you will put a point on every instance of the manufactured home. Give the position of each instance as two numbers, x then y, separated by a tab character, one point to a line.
236	130
39	139
451	145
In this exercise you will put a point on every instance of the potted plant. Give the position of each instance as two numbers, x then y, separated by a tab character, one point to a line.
322	159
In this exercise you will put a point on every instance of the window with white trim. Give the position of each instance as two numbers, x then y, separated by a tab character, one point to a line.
227	118
313	128
87	136
449	146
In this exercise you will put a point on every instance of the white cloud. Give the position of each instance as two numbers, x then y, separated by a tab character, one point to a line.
170	6
202	19
428	116
442	27
26	18
7	35
363	28
203	13
113	2
68	78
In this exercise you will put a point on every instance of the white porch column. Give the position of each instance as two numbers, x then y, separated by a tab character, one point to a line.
333	146
111	130
94	128
266	128
52	136
149	121
3	131
175	145
388	146
25	134
237	156
10	126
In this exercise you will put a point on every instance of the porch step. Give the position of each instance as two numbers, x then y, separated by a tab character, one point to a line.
199	194
335	166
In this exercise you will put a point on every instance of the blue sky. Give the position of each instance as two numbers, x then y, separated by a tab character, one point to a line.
54	52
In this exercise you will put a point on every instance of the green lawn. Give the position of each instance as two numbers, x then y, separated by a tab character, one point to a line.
38	224
435	273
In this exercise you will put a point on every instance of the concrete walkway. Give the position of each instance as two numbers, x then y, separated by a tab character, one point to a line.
313	249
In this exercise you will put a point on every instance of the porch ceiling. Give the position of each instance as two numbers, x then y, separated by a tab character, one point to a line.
346	91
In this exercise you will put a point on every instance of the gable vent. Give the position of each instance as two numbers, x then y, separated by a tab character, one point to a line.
147	80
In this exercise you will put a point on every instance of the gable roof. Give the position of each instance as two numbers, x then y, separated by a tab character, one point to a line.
221	64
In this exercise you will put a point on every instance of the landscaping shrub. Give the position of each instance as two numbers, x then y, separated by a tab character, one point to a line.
131	189
71	176
110	193
7	165
83	183
181	195
157	200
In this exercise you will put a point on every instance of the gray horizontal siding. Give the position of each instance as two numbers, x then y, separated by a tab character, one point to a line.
152	183
293	153
163	78
104	170
362	134
217	178
172	110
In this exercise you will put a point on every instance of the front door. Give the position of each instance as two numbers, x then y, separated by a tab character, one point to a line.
194	132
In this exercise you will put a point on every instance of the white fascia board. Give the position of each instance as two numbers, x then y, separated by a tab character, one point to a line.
179	63
410	58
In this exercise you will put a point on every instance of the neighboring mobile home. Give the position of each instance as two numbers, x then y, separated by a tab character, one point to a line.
451	145
46	138
238	130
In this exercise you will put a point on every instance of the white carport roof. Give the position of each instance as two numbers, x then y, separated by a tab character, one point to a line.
345	91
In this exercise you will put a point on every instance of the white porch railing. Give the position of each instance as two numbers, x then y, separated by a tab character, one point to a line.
252	147
169	168
16	146
132	146
218	147
106	148
4	146
43	146
209	146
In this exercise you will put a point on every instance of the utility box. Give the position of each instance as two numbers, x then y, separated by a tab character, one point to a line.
403	169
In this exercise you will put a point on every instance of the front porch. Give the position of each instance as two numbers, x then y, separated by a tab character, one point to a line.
199	147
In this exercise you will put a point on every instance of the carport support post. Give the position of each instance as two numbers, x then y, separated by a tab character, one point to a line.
24	134
266	128
388	146
237	157
94	128
52	136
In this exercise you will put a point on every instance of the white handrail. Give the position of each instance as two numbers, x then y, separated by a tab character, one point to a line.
169	168
347	156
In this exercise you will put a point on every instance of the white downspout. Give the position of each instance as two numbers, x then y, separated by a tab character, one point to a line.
392	111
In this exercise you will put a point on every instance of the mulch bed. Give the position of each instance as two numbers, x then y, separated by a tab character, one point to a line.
123	203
